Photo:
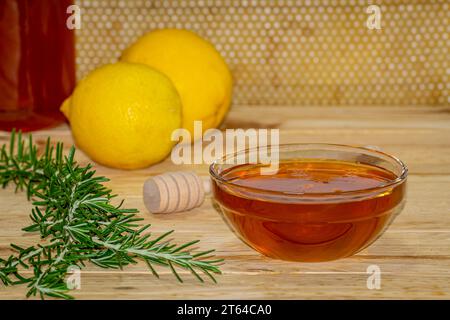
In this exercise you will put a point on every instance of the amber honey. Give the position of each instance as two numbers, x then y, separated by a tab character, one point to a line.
309	210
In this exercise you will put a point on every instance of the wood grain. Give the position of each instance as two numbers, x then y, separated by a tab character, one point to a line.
413	254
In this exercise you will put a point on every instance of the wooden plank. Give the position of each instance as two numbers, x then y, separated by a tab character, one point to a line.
419	136
427	208
400	279
413	254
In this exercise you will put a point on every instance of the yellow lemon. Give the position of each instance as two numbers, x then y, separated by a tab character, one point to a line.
122	115
197	70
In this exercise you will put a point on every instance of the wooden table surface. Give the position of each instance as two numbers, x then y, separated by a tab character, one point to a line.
413	254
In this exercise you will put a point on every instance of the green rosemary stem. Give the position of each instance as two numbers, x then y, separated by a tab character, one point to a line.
77	222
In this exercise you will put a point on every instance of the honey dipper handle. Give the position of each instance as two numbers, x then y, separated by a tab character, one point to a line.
174	192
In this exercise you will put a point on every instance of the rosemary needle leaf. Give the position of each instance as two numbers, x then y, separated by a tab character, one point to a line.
77	223
184	246
175	272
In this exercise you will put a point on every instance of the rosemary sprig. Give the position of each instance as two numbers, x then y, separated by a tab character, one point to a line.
78	224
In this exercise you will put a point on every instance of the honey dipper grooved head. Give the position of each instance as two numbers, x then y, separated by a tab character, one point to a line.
173	192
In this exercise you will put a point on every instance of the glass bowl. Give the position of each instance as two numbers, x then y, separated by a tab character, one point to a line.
324	202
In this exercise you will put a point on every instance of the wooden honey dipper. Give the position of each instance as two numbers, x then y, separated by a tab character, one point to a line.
174	192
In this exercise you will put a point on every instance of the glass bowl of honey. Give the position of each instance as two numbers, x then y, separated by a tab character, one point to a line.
323	202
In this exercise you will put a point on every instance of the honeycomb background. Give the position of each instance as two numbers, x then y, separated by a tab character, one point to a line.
299	53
